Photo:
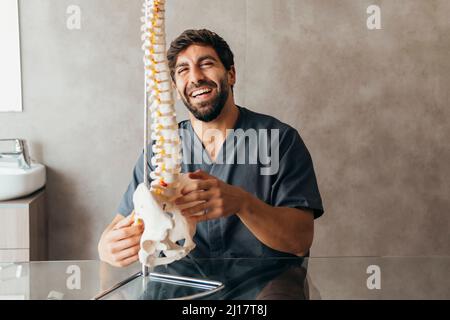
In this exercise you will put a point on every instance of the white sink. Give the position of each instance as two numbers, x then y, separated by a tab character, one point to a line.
16	182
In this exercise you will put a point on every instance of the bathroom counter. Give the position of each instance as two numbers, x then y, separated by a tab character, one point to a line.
281	278
23	228
23	201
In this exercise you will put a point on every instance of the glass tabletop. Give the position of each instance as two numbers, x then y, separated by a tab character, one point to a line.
237	278
58	280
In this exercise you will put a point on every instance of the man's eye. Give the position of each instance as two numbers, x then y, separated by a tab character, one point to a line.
180	71
206	64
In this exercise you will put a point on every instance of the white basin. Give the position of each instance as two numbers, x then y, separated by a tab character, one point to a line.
16	182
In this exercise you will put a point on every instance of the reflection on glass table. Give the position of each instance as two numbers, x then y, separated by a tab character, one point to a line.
281	278
269	278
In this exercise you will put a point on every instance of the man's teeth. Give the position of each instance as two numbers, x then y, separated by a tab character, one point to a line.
199	92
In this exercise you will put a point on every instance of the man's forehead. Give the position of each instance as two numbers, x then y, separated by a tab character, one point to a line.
195	52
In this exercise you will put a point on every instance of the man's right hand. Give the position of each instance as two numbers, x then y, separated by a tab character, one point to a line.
120	242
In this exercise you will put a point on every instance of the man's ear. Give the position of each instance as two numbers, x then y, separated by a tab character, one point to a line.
231	76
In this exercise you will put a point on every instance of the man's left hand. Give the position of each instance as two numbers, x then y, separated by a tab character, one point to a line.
219	198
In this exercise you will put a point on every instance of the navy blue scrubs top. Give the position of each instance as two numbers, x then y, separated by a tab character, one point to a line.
276	167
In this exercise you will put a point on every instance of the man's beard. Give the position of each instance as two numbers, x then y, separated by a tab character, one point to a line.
216	104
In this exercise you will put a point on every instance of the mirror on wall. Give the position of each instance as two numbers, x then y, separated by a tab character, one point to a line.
10	71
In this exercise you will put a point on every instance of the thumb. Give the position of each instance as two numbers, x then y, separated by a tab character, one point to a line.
113	223
126	222
199	174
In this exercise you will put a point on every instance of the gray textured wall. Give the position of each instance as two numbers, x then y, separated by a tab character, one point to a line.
372	107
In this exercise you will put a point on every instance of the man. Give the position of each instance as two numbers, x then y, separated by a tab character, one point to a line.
249	211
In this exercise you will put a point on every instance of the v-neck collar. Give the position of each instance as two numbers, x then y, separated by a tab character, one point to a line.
237	125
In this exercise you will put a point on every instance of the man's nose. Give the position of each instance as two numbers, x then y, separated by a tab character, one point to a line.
196	75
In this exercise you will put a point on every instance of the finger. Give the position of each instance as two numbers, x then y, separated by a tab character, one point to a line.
126	222
128	261
126	232
200	208
197	185
199	174
209	216
126	243
127	253
193	196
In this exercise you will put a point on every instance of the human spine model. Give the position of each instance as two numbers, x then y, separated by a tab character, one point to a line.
164	225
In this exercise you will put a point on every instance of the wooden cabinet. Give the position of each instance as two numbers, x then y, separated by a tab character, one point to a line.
23	229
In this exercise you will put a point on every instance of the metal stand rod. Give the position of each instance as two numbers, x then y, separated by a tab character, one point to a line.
145	271
146	182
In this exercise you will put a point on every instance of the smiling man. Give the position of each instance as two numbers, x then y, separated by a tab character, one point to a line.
206	98
248	212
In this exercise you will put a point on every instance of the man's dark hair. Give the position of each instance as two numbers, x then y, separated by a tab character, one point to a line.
202	37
